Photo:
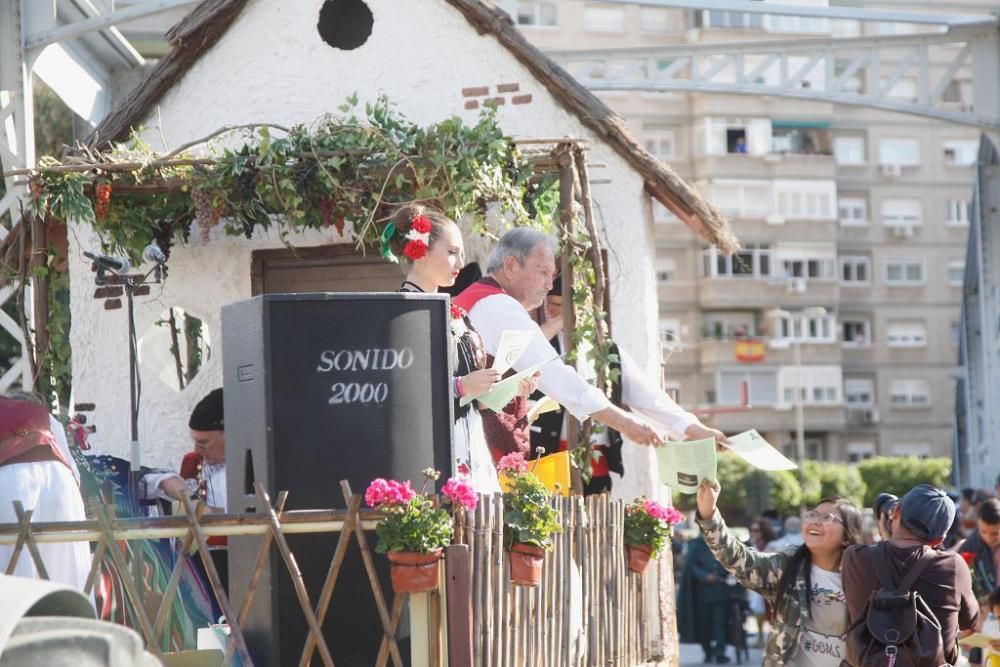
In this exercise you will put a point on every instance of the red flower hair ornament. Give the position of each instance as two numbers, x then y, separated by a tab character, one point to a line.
418	238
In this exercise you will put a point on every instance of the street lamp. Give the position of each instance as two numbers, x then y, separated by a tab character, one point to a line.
796	342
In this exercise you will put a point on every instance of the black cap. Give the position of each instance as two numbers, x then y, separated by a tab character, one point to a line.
927	512
207	415
885	503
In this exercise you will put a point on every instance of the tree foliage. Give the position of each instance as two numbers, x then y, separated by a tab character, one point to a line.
899	474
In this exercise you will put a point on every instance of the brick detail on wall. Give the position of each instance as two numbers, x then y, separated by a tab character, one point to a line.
84	407
112	304
499	101
521	99
477	91
508	88
472	104
141	290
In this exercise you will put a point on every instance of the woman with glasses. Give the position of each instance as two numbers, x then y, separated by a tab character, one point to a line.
803	587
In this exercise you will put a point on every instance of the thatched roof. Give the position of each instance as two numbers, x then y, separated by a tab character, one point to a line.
197	32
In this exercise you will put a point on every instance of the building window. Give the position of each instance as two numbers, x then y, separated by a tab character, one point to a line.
958	212
956	273
666	269
859	392
806	200
819	268
742	199
904	272
960	152
604	19
849	150
798	327
762	386
751	261
899	151
860	451
539	13
660	143
910	393
719	19
906	334
653	20
955	333
902	212
852	211
855	270
919	449
856	333
820	385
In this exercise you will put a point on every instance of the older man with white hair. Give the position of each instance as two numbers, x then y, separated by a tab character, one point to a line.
520	272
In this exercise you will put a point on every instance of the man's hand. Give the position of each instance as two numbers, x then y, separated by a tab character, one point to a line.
175	488
699	431
640	432
527	386
708	498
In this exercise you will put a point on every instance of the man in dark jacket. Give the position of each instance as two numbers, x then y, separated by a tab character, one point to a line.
984	545
703	605
920	521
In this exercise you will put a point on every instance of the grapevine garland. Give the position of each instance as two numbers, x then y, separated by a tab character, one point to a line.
341	172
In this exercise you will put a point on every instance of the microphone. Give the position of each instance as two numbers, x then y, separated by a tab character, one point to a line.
117	265
152	253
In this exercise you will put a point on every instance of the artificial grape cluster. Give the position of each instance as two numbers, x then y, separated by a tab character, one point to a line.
303	175
102	196
204	212
326	211
246	183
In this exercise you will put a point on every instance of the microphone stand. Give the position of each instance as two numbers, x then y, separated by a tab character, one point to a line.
129	283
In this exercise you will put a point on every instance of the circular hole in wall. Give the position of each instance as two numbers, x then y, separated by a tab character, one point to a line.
345	24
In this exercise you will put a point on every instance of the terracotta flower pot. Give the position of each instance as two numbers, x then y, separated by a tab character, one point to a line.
526	564
638	557
414	572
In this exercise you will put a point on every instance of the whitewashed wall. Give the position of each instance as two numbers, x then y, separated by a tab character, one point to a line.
271	66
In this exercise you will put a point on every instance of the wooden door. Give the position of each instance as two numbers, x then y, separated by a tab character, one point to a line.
334	268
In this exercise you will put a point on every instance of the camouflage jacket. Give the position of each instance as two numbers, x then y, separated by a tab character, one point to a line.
761	572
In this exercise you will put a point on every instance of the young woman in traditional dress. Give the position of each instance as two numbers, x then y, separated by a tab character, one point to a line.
432	248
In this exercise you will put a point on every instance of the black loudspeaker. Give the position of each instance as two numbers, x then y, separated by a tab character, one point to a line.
319	388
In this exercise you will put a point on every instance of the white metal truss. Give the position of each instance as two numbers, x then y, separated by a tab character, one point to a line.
74	46
861	71
17	149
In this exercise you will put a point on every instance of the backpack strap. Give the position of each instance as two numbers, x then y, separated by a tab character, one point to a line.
877	554
916	571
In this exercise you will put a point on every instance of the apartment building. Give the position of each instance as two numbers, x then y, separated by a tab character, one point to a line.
854	224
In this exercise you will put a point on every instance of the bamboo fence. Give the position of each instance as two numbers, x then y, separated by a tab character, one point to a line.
588	610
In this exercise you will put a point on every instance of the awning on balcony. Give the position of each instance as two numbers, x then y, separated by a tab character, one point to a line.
801	124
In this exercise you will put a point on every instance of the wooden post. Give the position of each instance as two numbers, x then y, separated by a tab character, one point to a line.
458	587
567	219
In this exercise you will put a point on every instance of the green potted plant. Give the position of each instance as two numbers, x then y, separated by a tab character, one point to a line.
415	528
648	525
529	520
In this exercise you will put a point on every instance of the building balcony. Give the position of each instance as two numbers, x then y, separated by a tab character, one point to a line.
763	293
768	166
722	352
781	418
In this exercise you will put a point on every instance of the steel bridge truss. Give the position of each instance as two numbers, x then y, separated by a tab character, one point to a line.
865	71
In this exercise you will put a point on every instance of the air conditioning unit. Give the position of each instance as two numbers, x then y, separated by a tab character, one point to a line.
871	416
902	231
795	285
891	169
